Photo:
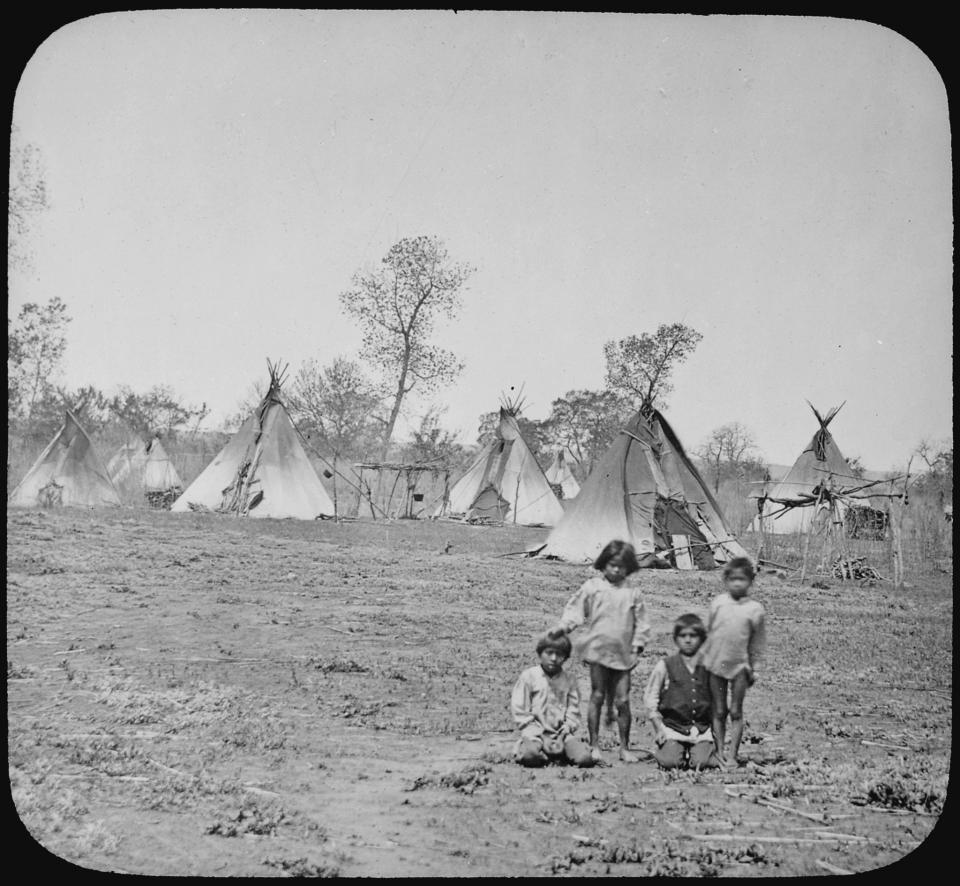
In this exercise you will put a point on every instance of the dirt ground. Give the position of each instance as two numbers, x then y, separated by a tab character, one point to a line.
191	694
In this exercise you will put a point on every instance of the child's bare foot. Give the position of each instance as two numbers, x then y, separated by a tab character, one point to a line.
628	756
595	755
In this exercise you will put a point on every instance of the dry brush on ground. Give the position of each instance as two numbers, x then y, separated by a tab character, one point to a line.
204	695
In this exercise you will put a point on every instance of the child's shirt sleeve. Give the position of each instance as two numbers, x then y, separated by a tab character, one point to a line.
641	625
571	721
758	639
577	610
651	695
521	706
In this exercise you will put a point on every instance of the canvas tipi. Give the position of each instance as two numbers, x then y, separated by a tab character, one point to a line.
645	490
263	470
791	504
127	463
68	472
560	474
504	484
159	474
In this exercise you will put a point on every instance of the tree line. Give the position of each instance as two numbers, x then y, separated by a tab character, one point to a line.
349	407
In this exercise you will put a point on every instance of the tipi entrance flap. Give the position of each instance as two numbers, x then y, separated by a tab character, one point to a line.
643	490
68	472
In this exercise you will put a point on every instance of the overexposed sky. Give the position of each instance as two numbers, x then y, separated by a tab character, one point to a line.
781	184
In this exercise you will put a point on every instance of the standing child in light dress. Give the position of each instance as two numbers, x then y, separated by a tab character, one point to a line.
736	636
616	630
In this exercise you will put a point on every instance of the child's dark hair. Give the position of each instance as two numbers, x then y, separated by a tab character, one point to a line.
619	550
740	564
689	622
560	644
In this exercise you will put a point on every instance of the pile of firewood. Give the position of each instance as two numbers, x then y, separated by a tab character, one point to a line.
855	568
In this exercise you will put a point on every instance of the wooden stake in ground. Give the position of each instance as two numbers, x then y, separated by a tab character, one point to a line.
806	540
896	531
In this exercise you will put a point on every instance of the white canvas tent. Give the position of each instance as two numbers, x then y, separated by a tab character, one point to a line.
560	474
159	474
263	471
505	484
127	462
68	472
645	490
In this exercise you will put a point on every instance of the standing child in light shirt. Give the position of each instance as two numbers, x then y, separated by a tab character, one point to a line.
736	636
677	699
616	630
546	706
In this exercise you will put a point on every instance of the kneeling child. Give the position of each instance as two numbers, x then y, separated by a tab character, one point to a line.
546	706
677	699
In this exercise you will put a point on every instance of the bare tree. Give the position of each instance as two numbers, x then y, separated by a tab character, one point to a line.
938	477
397	306
250	401
729	449
639	367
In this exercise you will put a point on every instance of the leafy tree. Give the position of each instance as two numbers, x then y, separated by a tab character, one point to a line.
730	451
87	403
533	432
585	422
28	196
397	306
158	410
336	405
639	367
432	443
36	343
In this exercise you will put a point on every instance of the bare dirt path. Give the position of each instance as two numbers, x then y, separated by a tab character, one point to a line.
196	695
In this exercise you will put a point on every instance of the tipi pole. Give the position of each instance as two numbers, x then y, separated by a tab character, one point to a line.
896	546
896	531
320	455
393	489
806	540
516	492
761	525
336	513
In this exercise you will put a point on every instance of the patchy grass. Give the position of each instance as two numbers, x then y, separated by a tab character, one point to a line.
186	689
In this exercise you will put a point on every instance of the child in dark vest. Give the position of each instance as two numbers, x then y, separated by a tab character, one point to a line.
677	699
